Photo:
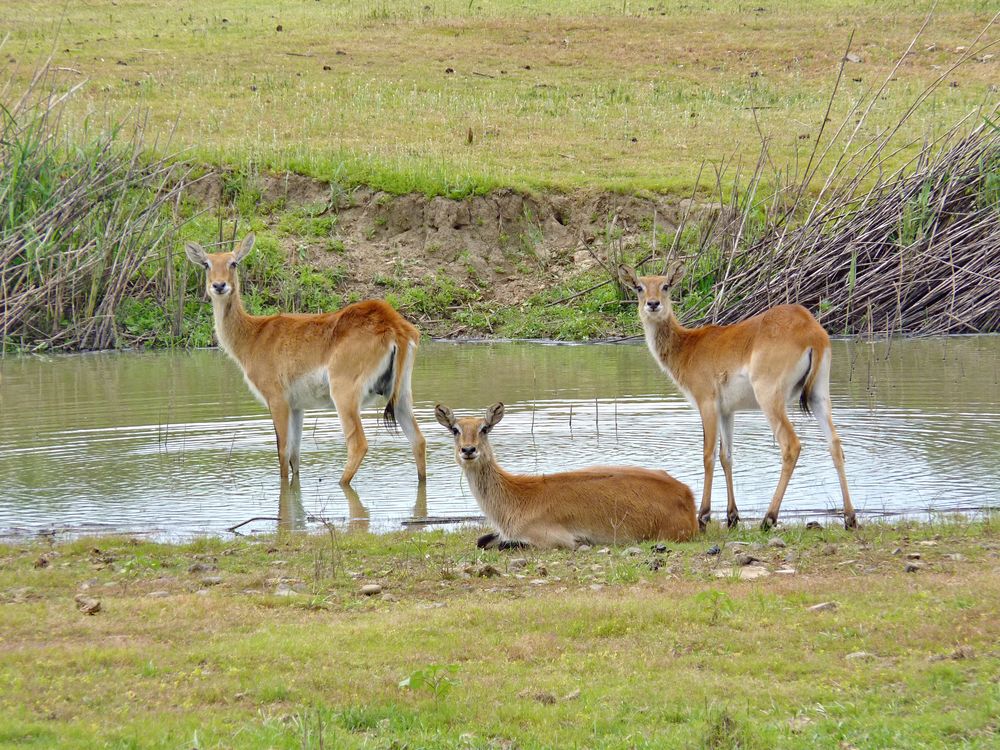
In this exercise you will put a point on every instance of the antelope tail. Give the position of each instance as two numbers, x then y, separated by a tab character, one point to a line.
809	380
397	367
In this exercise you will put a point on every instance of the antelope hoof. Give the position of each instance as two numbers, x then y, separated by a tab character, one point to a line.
703	520
732	519
850	522
768	523
487	540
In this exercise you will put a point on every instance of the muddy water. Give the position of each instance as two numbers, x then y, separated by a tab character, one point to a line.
173	443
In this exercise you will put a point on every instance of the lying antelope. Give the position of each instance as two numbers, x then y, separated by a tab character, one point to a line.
294	362
600	505
759	363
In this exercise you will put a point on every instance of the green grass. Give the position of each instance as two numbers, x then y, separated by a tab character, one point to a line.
567	649
613	95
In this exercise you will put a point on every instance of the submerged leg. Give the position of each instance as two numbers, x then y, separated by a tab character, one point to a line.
296	418
784	433
821	408
279	416
726	458
346	399
709	427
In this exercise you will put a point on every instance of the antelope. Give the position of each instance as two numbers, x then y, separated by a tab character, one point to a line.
293	362
759	363
599	505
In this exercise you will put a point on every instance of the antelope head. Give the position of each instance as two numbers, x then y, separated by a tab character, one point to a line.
221	278
471	433
653	291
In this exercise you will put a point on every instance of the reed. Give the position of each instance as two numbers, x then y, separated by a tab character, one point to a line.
882	248
83	223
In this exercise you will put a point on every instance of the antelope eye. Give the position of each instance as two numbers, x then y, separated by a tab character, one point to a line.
454	430
640	288
232	264
666	287
207	265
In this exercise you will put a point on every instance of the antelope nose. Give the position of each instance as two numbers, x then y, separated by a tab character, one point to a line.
653	305
469	452
219	286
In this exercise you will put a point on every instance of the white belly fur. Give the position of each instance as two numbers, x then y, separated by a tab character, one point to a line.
311	391
737	394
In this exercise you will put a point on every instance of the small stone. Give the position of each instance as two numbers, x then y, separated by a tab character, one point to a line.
823	607
158	594
631	551
747	573
713	550
928	543
487	571
200	567
517	563
852	58
596	586
814	526
604	551
370	589
785	571
202	592
660	548
87	605
742	559
776	542
539	581
799	723
572	695
898	551
283	589
912	567
860	656
912	555
546	699
584	548
542	570
956	556
791	556
655	563
42	562
389	598
211	580
830	549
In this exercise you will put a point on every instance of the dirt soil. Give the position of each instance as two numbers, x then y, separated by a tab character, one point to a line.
507	244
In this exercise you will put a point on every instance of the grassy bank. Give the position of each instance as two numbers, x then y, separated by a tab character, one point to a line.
453	97
269	643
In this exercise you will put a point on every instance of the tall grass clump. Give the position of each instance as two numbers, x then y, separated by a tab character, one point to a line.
885	246
85	222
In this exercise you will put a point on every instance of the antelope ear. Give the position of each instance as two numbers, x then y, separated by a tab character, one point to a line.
675	272
444	416
245	247
493	415
195	253
627	276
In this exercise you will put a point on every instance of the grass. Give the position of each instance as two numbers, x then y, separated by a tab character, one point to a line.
620	96
543	649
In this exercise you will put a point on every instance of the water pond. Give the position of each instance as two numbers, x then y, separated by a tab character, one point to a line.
172	443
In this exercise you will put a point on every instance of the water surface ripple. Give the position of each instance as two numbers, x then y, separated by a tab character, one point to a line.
174	444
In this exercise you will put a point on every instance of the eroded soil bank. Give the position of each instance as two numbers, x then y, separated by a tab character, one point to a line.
471	255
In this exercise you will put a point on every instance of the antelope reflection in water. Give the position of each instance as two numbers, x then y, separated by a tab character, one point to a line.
292	515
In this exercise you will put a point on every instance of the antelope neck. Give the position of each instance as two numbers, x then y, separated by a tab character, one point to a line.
231	321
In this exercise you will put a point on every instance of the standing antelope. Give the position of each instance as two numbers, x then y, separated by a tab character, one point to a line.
759	363
293	362
600	505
